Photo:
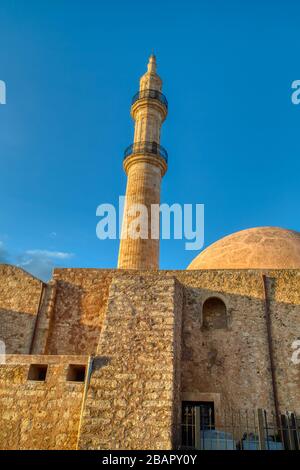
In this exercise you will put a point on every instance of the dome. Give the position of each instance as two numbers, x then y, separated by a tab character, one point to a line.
254	248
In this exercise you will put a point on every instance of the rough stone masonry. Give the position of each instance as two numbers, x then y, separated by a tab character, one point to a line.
153	345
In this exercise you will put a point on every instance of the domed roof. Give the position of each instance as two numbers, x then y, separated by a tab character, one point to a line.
254	248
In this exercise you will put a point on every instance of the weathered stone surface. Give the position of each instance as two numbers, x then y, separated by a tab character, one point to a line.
253	248
19	302
131	321
76	312
35	414
142	368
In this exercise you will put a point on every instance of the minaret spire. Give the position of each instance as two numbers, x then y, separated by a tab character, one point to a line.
152	64
145	163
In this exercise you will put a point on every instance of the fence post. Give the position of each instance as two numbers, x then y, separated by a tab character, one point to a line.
297	431
197	428
292	427
261	429
291	431
285	432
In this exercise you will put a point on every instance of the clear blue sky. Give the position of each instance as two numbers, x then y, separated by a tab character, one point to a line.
71	68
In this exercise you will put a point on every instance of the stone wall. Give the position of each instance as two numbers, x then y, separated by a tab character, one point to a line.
39	414
20	295
232	366
284	293
133	398
132	321
77	311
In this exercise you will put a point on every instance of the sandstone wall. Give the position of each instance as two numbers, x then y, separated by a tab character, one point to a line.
19	302
39	415
229	366
78	310
232	366
141	312
133	398
284	293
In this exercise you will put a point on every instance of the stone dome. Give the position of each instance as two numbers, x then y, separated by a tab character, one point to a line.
254	248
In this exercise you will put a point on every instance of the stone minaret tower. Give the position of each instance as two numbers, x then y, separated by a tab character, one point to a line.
145	163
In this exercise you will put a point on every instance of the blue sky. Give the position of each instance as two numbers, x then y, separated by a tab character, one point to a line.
71	68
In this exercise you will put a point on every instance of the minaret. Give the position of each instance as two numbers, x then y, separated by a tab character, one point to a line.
145	163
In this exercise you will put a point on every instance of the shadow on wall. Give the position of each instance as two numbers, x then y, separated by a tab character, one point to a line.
77	319
16	330
226	349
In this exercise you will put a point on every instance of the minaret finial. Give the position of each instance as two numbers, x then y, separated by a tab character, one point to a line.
152	63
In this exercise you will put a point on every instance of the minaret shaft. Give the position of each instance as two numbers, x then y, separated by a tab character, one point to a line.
143	187
145	166
147	126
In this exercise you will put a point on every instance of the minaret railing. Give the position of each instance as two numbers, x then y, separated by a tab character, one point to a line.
146	148
150	94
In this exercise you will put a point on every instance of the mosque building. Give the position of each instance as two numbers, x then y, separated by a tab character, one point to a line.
113	358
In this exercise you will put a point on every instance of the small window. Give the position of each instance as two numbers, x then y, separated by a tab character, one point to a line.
76	373
37	372
197	414
214	314
206	413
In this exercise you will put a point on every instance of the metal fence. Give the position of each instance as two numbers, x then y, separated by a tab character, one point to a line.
238	430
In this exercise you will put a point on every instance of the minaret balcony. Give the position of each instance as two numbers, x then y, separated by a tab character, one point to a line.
146	148
152	95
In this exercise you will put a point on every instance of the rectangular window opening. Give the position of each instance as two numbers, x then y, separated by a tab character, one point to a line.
76	373
37	372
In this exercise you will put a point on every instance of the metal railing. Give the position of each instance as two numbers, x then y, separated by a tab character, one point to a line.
150	94
239	430
146	148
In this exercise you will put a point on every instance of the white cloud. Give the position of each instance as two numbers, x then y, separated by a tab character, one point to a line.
40	263
38	266
50	254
